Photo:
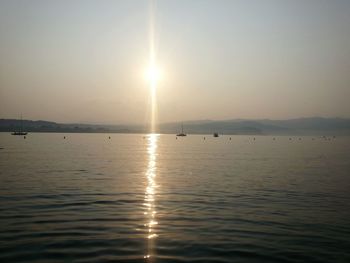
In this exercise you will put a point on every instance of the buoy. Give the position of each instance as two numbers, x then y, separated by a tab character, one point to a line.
109	137
64	137
24	137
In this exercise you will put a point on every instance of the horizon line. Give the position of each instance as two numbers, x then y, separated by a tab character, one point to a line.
180	121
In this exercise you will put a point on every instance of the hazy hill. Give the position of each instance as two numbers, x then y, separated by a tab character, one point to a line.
315	126
7	125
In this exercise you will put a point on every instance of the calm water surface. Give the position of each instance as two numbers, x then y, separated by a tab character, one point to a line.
140	198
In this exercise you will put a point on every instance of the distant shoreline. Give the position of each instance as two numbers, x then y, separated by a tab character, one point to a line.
302	126
192	134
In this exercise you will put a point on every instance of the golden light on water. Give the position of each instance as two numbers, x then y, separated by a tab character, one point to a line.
153	75
150	192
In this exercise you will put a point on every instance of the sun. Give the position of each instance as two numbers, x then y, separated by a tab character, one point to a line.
153	75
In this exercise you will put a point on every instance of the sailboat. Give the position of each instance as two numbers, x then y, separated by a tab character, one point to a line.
20	132
182	134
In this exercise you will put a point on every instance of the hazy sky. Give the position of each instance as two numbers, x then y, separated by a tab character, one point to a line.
84	61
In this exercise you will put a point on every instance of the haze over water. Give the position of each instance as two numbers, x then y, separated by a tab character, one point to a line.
84	61
153	198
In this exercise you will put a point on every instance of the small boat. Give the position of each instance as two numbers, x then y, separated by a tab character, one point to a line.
20	132
182	134
216	134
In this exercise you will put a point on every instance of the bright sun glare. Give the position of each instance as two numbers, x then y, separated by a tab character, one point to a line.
153	75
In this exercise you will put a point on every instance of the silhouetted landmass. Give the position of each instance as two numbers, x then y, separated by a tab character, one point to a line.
301	126
9	125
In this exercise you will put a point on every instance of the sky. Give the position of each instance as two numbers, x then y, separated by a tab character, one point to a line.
85	61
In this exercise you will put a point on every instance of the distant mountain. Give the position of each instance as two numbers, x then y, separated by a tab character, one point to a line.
223	127
9	125
301	126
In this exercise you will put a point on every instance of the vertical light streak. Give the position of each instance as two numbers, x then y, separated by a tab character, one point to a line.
149	203
152	146
152	67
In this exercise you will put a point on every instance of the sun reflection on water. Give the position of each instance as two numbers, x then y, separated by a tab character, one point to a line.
151	186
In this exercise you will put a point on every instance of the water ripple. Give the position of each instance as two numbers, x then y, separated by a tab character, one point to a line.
157	199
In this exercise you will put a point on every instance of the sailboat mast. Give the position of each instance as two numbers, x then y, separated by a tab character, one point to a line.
21	124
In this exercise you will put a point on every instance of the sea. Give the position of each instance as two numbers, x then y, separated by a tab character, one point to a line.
159	198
